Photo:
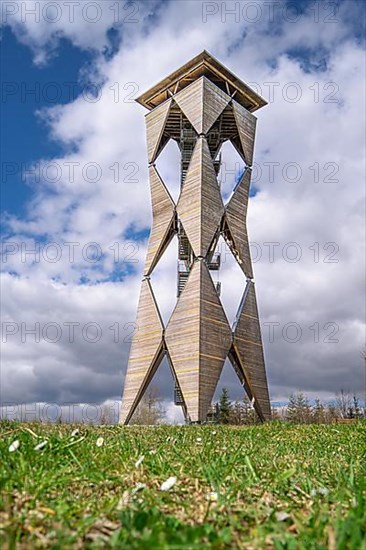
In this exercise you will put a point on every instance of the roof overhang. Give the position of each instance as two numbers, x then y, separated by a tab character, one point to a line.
203	64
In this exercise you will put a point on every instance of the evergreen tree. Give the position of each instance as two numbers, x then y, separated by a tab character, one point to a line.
356	410
224	407
318	412
298	408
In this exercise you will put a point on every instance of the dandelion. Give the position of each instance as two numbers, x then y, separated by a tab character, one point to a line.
168	484
41	445
99	442
14	446
139	461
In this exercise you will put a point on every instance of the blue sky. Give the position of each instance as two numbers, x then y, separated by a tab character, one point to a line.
24	137
310	53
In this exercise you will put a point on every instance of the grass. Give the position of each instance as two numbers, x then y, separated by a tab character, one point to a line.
277	486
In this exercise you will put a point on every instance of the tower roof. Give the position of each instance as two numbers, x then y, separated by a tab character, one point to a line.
204	64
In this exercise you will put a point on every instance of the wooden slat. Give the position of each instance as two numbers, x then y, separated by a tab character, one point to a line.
214	102
236	232
202	102
205	64
190	102
198	338
249	348
200	205
216	338
246	124
145	353
163	220
155	123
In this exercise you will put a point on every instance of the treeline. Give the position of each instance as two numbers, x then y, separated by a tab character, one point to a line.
152	411
344	406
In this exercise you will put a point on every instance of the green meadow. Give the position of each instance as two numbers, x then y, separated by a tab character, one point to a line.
277	485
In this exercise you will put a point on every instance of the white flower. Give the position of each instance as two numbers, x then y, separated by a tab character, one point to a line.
139	461
99	442
199	439
14	446
321	491
123	502
212	496
282	516
168	484
74	432
214	433
41	445
137	488
152	452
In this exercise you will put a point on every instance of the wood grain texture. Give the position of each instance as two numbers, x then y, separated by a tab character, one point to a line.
145	353
155	123
246	124
198	338
249	348
200	207
163	209
203	64
235	217
202	102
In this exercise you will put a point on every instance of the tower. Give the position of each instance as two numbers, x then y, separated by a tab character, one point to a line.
200	106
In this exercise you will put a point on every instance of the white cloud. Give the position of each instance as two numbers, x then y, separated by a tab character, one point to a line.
306	212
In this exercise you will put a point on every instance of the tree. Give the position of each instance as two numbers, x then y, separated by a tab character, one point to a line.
225	407
242	412
343	403
150	410
319	413
298	408
332	413
363	355
108	415
355	410
237	413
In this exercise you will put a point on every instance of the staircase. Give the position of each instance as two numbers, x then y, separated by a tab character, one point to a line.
184	247
188	139
215	262
182	279
178	397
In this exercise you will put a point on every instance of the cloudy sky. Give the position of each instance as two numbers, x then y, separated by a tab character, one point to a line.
75	196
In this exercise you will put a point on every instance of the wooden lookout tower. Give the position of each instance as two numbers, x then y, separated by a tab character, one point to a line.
200	106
